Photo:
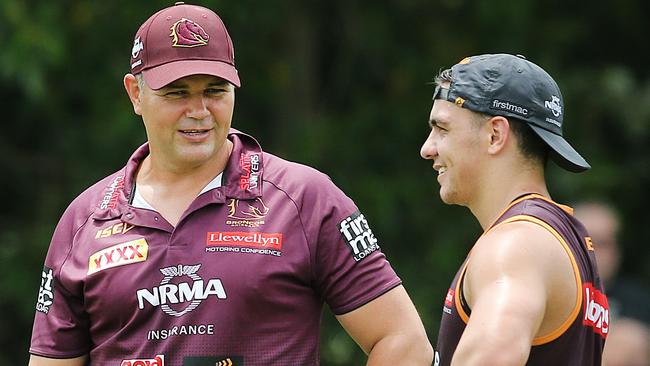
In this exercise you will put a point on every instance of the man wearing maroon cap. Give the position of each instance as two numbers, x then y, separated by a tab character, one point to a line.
205	250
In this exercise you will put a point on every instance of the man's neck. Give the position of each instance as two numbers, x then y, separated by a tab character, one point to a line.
501	188
171	191
159	174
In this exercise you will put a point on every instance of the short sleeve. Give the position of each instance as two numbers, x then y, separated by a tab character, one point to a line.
350	268
60	325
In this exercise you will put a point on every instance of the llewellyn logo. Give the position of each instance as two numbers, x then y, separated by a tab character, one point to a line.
261	240
357	234
191	293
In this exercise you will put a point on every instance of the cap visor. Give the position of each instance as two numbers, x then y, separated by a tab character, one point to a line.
159	76
561	152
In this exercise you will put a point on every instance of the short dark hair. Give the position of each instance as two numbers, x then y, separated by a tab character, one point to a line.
530	144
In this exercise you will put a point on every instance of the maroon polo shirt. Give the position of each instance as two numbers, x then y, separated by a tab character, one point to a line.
241	279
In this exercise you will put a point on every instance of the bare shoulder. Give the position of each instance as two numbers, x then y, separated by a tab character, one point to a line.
521	251
531	259
519	241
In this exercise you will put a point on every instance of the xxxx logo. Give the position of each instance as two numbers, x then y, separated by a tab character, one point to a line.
118	255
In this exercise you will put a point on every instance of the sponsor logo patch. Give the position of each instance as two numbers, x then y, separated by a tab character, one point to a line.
250	164
449	299
510	107
214	360
137	47
45	291
184	296
357	234
247	213
554	105
121	228
159	360
245	242
596	310
112	193
118	255
264	240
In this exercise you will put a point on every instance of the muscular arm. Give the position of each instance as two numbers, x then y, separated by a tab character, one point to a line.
389	330
42	361
519	283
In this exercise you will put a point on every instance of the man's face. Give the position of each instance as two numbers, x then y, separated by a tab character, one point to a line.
454	146
187	121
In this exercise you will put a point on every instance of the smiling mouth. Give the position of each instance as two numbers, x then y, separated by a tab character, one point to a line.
194	132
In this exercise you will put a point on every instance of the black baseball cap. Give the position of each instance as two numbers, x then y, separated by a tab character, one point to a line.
511	86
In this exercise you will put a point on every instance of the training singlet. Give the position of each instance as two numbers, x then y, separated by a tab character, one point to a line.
240	280
580	339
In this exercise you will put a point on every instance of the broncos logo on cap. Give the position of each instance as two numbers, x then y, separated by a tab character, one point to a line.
187	33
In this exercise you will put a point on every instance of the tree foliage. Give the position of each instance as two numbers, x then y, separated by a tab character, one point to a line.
339	85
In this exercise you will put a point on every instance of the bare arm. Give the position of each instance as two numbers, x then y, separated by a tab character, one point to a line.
519	279
42	361
389	330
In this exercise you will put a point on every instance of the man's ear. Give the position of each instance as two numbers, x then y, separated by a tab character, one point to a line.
499	134
133	90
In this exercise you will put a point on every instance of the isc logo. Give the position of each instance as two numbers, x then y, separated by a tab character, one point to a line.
159	360
596	310
121	228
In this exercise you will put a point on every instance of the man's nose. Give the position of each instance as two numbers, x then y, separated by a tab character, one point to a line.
428	150
197	107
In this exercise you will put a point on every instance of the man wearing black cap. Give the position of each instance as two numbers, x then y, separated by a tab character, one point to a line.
528	292
204	249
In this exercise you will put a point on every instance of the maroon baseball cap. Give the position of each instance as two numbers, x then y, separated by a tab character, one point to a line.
183	40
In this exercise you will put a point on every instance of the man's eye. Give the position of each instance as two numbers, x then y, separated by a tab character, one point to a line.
213	91
175	93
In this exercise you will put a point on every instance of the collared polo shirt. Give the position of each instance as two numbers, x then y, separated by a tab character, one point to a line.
241	279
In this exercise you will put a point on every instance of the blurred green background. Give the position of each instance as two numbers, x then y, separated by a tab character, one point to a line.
339	85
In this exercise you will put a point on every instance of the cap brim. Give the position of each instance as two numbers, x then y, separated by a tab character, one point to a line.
159	76
561	152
